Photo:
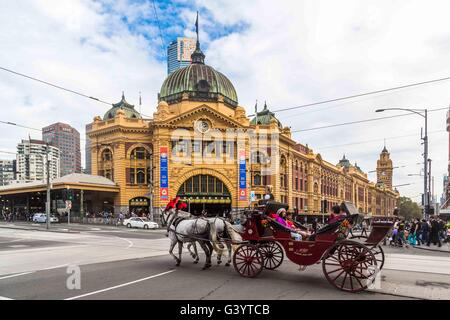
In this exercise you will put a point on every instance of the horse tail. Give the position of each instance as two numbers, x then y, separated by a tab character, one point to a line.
234	235
213	237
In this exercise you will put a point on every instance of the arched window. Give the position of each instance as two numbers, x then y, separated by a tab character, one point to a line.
258	158
140	177
140	171
107	155
140	153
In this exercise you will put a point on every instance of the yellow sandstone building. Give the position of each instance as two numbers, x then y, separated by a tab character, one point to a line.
201	146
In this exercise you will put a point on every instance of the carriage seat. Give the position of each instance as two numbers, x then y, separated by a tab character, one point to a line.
278	225
330	226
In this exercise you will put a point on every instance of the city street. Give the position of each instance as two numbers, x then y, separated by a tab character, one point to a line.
120	263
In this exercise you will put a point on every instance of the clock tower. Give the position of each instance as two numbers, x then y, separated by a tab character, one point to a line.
384	169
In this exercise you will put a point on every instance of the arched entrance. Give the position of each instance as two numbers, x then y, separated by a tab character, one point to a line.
139	206
205	192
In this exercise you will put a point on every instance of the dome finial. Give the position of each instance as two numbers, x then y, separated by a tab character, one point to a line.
265	105
197	56
123	95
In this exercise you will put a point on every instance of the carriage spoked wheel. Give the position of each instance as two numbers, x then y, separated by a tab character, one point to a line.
349	266
248	260
376	250
273	254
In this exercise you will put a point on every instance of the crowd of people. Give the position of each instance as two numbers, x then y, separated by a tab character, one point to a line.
419	232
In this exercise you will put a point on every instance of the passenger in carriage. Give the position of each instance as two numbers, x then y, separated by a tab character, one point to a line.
336	215
285	219
290	222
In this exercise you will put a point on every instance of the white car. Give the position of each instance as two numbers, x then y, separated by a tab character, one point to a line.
140	223
42	217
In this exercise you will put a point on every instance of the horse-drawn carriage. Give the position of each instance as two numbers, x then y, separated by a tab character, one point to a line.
348	264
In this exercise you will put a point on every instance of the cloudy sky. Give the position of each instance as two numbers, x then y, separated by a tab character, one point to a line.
288	53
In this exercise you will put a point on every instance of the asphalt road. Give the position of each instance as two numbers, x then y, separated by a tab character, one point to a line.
118	263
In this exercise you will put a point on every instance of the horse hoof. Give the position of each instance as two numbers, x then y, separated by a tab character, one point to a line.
196	261
178	263
219	262
227	264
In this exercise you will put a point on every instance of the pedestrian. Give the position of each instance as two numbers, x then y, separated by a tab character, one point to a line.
120	219
434	233
401	233
314	225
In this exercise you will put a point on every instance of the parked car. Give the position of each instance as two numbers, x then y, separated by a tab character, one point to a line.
42	217
140	223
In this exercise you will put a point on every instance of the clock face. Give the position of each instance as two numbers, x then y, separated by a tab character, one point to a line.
202	126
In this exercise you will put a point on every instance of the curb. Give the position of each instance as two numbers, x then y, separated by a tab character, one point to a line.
429	249
38	229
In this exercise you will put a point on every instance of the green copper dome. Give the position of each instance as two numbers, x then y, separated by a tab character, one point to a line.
264	117
201	82
129	110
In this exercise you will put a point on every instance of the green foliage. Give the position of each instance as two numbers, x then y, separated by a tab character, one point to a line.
409	209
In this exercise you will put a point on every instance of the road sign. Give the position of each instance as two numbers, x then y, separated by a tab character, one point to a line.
68	204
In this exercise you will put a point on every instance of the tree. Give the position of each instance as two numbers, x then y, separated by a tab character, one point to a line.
409	209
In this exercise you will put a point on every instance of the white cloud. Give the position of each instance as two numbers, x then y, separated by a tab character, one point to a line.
291	53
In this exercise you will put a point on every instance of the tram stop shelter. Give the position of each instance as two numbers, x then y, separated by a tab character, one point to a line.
87	193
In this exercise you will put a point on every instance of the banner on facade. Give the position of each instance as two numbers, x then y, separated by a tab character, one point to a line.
163	173
242	176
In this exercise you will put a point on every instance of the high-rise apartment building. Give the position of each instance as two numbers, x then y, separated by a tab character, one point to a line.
87	148
67	140
179	53
32	163
7	171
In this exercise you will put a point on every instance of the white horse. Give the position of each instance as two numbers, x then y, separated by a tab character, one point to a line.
182	230
226	231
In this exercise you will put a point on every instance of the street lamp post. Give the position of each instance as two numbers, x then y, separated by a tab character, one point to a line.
423	113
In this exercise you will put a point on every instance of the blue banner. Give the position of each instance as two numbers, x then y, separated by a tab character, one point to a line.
242	176
163	173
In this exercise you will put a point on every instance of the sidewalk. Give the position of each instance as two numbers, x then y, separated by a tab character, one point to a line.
445	247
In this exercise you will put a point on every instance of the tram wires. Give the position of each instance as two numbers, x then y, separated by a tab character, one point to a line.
360	95
159	27
375	140
362	121
60	87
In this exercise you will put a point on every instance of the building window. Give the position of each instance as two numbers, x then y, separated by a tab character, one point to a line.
257	179
140	153
107	155
140	176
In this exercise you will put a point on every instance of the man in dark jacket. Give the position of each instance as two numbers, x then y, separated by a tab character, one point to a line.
434	233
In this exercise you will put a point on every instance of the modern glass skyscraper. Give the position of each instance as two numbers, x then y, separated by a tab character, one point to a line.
179	54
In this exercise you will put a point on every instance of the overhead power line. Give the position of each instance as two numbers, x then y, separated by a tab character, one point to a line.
60	87
159	27
375	140
360	95
362	121
53	85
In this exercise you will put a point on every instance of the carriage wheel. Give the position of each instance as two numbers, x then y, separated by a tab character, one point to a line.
376	250
248	260
273	255
349	266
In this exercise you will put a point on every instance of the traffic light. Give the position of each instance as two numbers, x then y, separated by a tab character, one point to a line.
67	194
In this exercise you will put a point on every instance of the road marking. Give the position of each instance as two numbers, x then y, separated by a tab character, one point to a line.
120	285
5	298
16	275
130	243
18	246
